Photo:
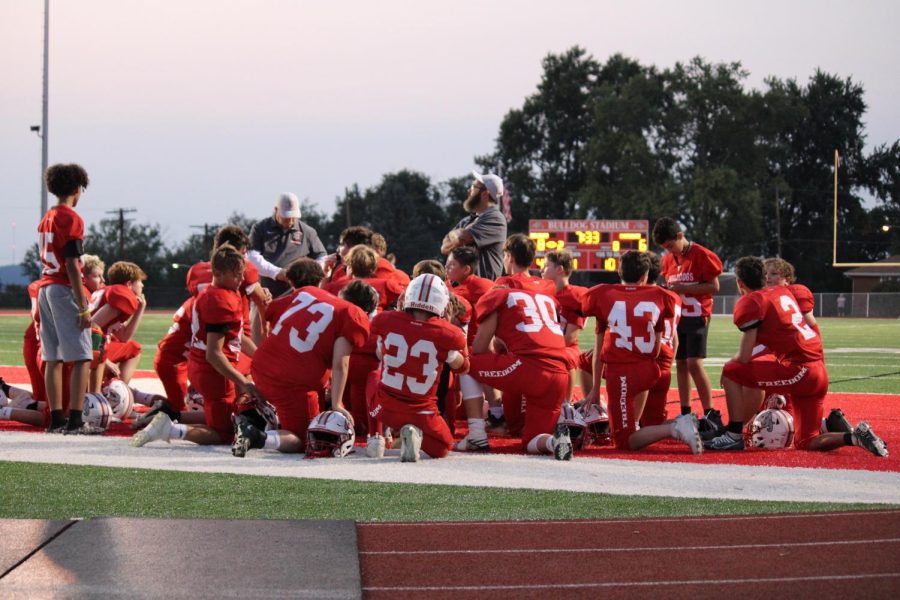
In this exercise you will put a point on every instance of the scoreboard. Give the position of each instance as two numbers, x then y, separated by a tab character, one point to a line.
595	244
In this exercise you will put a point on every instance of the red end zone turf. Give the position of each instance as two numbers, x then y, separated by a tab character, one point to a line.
882	411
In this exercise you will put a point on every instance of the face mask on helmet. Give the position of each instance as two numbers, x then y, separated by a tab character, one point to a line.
96	411
193	400
427	292
597	423
329	435
772	429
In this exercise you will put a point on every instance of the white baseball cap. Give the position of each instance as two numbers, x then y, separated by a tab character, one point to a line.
492	183
288	205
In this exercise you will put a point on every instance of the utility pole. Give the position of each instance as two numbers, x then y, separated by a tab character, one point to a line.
122	220
778	221
45	120
207	237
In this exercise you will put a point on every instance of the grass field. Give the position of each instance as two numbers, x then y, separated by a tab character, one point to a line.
862	355
41	491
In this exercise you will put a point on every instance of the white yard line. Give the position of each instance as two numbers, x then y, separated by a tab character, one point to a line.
612	476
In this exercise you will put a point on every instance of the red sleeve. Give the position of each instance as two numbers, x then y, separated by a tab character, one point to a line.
804	297
378	326
198	277
667	309
356	326
251	275
122	299
490	303
748	311
712	265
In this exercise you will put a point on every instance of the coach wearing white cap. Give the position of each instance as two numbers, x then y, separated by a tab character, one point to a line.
484	228
275	242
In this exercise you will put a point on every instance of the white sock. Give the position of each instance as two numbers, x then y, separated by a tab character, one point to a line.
178	431
273	440
476	429
140	397
5	413
533	445
496	411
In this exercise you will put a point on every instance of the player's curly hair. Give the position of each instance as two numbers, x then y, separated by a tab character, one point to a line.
665	230
655	267
561	258
303	272
750	272
89	262
633	265
521	248
64	180
784	268
379	244
125	272
362	261
430	267
227	259
456	309
234	235
361	294
356	235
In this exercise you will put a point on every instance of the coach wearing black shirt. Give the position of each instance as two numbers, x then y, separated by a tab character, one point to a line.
277	241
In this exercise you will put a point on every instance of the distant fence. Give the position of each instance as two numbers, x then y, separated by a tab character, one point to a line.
830	304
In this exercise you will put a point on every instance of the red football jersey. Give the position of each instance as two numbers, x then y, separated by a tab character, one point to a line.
385	270
804	297
217	306
524	281
200	275
59	226
121	298
633	317
569	298
412	353
697	265
389	290
300	347
526	322
472	289
667	342
174	346
780	325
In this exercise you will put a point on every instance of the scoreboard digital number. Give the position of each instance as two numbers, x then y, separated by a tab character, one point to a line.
595	244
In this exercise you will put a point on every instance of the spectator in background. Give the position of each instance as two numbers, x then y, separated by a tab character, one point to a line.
484	228
841	305
279	240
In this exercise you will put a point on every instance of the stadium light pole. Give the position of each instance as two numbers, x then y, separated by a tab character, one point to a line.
45	120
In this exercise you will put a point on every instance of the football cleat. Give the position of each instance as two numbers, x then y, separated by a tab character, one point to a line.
562	442
836	422
468	444
685	428
711	423
375	446
410	443
243	434
725	442
866	438
158	430
86	429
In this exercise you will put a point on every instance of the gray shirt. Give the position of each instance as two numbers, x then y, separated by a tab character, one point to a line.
489	231
279	247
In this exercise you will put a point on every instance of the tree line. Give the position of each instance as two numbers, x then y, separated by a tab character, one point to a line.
745	171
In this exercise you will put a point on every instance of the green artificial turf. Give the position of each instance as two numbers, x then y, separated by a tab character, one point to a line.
44	491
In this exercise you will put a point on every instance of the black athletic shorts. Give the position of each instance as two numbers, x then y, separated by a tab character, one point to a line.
692	334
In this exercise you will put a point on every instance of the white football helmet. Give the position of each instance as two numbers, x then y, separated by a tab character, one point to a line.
193	400
427	292
773	429
574	420
329	434
120	398
596	420
96	411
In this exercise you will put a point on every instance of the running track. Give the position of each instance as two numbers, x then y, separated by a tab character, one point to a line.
821	555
